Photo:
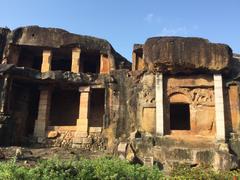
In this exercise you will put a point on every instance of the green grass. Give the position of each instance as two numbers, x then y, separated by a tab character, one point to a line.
102	168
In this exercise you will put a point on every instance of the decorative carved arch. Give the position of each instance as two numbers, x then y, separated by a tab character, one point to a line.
183	91
198	96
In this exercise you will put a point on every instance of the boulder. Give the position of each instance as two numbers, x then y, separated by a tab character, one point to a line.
52	134
2	155
148	161
122	147
19	153
179	54
22	153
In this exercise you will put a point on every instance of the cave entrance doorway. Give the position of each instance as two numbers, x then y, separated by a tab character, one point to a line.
90	62
30	57
97	102
61	60
64	107
24	102
179	116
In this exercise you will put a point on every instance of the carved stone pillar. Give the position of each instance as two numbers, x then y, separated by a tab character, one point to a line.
104	64
219	107
159	104
76	60
6	83
46	61
234	106
43	113
82	121
134	61
111	62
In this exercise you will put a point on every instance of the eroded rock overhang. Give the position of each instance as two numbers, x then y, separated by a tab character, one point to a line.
186	54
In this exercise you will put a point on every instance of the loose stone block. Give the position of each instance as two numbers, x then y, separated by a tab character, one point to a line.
122	147
148	161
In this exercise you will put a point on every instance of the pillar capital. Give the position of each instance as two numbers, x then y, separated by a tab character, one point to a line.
84	89
47	52
76	49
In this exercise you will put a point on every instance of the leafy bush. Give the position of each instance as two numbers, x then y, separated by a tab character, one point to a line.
201	172
103	168
10	170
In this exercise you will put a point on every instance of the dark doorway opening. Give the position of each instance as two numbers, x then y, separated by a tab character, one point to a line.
90	62
61	59
33	113
24	106
64	107
179	116
61	64
96	108
30	57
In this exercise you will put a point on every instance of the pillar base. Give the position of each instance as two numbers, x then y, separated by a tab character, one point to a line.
40	140
82	125
79	136
39	129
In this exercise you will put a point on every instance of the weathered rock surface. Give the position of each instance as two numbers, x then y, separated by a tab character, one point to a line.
178	54
235	67
2	155
3	39
58	38
22	153
54	37
129	121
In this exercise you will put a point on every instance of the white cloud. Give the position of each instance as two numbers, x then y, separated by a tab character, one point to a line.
153	18
174	31
149	17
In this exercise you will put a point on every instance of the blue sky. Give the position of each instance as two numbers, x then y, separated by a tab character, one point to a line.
125	22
